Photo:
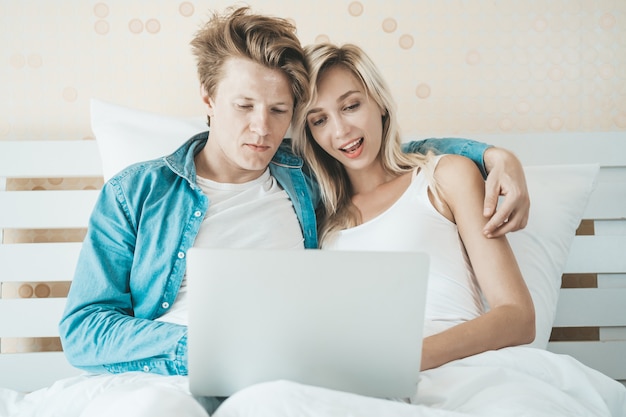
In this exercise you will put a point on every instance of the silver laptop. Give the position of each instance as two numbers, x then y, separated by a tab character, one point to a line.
349	321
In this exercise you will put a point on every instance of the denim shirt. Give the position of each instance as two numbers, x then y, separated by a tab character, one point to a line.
132	260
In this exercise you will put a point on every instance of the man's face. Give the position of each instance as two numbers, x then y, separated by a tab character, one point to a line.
250	113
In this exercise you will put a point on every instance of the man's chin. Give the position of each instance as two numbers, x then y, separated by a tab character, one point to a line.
256	166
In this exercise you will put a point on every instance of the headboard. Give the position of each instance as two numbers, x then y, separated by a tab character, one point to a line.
591	317
31	273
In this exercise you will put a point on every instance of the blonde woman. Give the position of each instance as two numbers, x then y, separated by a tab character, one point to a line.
376	197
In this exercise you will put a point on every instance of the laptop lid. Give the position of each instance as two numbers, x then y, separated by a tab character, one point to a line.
349	321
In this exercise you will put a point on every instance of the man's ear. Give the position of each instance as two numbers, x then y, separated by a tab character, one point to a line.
208	101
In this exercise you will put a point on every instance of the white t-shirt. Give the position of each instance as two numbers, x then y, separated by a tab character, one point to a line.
255	214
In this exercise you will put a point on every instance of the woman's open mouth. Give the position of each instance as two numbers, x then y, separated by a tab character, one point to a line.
352	147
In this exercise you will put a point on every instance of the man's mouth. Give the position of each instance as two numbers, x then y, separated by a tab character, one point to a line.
352	146
257	148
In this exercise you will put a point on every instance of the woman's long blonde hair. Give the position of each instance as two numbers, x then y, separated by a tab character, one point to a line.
337	211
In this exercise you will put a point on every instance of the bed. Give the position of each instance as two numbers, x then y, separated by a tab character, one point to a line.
572	254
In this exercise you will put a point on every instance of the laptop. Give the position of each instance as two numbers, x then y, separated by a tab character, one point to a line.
348	321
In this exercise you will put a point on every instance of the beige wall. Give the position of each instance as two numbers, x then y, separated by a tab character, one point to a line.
460	67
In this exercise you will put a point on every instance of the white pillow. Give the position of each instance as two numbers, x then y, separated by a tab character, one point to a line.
559	195
126	135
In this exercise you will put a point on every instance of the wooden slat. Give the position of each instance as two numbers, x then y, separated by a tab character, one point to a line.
606	148
609	227
32	317
597	254
47	159
612	333
30	371
607	201
46	209
611	280
606	357
581	307
55	261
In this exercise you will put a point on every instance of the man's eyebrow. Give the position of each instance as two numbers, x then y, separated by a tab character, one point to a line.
341	97
278	103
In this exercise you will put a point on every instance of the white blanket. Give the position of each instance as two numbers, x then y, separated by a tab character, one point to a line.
517	381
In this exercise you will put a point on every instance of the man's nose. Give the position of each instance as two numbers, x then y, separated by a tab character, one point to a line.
260	123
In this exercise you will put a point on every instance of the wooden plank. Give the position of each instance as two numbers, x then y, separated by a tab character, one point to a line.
609	227
48	159
606	357
35	317
605	148
613	333
597	254
607	201
611	280
27	372
581	307
46	209
55	261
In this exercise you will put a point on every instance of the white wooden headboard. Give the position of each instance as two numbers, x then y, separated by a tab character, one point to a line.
602	255
40	262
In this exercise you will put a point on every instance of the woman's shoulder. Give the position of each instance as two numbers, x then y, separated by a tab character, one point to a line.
455	168
457	177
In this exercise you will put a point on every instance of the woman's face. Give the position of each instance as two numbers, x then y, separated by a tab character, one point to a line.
344	121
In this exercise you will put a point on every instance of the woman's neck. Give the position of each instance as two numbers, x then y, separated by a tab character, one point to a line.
365	181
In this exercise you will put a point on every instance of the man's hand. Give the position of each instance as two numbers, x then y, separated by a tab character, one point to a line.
505	178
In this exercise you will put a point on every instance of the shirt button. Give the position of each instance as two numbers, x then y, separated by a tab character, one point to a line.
198	213
181	255
146	368
165	305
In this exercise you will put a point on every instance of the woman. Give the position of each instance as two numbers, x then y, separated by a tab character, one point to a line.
378	198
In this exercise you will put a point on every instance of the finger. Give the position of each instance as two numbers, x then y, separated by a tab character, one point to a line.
502	230
491	200
497	221
514	222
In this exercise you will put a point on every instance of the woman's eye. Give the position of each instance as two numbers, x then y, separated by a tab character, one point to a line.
353	106
316	122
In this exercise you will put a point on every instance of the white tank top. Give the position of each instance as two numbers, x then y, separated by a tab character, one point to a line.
413	224
255	214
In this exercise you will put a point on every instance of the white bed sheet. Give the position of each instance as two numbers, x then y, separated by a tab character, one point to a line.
518	381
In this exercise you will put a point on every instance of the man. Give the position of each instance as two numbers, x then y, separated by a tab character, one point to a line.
126	310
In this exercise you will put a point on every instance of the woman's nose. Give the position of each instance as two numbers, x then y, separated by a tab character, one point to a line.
341	127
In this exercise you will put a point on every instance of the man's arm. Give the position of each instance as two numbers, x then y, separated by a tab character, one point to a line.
98	330
504	177
465	147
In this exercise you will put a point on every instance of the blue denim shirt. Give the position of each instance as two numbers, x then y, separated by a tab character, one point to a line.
132	260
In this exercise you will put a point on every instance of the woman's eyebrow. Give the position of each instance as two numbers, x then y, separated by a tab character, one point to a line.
341	97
